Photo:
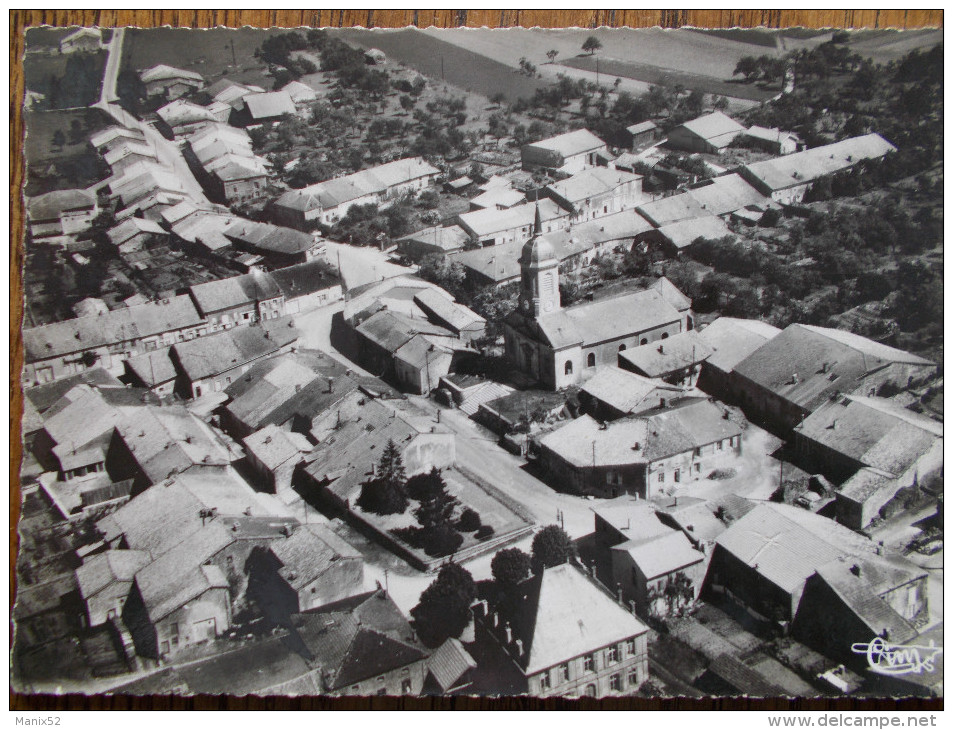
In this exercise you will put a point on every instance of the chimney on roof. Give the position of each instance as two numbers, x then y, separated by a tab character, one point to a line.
661	349
509	633
330	385
855	569
519	647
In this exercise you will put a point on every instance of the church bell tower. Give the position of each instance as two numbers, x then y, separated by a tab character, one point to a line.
539	280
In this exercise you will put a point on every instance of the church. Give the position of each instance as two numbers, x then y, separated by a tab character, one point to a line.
559	346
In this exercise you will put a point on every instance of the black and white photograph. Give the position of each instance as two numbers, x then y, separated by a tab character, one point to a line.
418	362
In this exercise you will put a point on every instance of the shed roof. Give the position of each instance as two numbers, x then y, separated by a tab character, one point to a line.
571	143
626	391
663	555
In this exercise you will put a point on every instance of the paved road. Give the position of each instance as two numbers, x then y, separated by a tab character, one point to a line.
113	62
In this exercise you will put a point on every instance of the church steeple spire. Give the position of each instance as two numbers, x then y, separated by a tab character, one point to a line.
539	267
538	220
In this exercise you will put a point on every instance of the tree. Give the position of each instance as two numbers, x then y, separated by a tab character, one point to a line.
386	493
510	566
748	67
407	102
59	139
591	45
436	503
551	55
551	547
444	608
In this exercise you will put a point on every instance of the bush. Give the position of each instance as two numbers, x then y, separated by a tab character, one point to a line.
510	566
469	520
440	540
484	533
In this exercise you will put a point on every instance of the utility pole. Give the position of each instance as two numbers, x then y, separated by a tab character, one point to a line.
234	61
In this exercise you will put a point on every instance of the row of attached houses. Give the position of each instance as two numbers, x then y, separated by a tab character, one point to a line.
327	202
223	158
61	349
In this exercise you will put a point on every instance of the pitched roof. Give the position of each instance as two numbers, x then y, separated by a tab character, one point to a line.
84	413
641	439
591	182
99	571
633	517
804	167
45	395
180	112
392	330
658	359
273	446
626	391
732	340
299	92
571	143
662	555
126	149
714	127
449	663
498	197
872	431
212	355
309	552
302	279
641	127
770	134
446	238
168	440
111	134
269	104
608	319
726	194
179	576
489	221
163	72
180	502
205	228
54	204
133	227
673	209
270	238
685	233
444	311
804	364
564	615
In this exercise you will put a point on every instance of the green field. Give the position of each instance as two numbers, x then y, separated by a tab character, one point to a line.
611	68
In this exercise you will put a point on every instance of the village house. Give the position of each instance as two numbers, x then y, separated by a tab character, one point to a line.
782	563
113	137
105	580
568	153
564	636
239	300
731	341
155	443
786	179
123	156
69	347
772	140
348	455
410	332
181	118
135	234
642	134
58	216
561	347
674	238
270	106
327	202
274	454
493	227
307	286
498	198
152	370
300	93
140	181
309	568
612	393
170	82
450	671
871	447
655	451
433	240
231	92
209	364
803	367
202	233
596	192
278	245
649	560
676	361
710	133
82	40
238	179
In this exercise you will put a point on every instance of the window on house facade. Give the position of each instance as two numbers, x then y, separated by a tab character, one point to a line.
615	682
661	477
589	663
382	691
621	347
568	368
564	672
665	335
612	654
630	647
590	690
591	360
633	677
678	475
405	687
544	683
721	445
698	468
643	341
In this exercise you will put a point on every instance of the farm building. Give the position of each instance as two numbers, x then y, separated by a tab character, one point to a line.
786	179
644	454
569	153
83	40
802	368
775	141
676	360
596	192
613	393
270	106
170	82
642	134
710	133
434	240
731	341
492	227
61	213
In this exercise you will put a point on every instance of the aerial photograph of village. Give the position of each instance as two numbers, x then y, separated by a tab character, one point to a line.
577	363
